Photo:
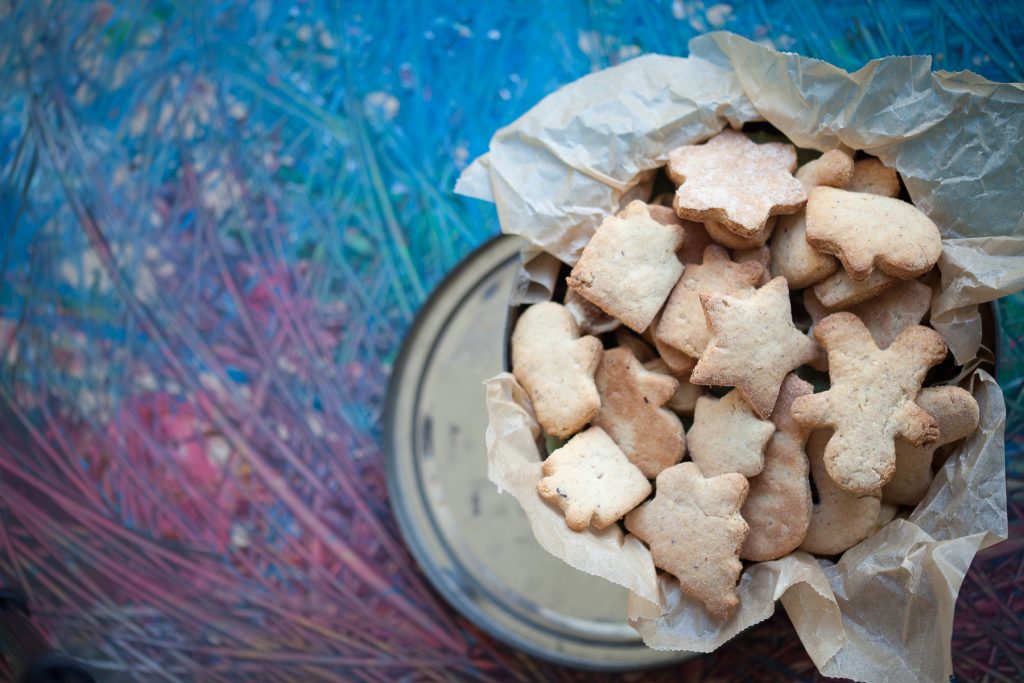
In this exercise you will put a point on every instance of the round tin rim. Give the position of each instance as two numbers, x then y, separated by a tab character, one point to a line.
420	531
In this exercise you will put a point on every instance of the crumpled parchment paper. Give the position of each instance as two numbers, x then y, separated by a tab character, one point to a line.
884	611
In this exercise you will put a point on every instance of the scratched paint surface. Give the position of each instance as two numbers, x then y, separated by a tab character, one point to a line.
218	221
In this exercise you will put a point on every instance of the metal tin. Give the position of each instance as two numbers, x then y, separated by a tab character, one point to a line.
474	544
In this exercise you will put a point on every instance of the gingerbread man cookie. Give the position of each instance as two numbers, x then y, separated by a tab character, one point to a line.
871	401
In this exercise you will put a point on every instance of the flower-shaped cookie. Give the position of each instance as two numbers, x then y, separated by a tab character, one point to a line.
735	182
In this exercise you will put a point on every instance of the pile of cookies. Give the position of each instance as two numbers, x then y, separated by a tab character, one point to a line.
676	369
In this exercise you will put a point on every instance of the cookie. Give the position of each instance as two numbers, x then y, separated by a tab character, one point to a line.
631	412
872	176
778	507
871	400
639	346
753	345
816	312
684	401
592	481
956	413
629	266
792	257
678	361
886	513
840	519
867	231
902	305
735	182
682	324
694	528
833	168
590	318
727	436
838	291
695	237
556	367
674	358
762	255
727	238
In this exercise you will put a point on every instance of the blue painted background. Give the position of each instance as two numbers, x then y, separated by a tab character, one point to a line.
218	219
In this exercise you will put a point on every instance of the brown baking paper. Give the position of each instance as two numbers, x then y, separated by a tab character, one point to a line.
884	611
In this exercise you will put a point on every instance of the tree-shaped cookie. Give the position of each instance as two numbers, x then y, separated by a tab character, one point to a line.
866	231
632	414
682	324
727	436
556	367
735	182
754	344
840	519
778	507
592	481
629	266
871	401
956	413
695	531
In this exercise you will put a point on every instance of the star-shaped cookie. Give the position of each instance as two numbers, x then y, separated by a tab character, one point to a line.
727	436
735	182
695	531
682	324
754	344
871	401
